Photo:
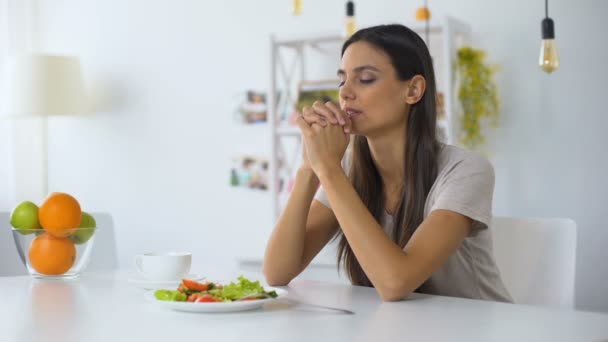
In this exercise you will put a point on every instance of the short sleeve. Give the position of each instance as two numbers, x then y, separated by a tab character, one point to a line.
468	189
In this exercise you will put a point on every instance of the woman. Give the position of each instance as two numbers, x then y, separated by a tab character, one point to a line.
411	213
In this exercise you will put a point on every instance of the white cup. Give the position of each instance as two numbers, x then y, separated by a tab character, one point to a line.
163	266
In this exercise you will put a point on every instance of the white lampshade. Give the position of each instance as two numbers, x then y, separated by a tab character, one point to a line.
42	85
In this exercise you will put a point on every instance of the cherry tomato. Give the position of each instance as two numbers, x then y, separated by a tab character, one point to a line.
194	285
205	299
193	297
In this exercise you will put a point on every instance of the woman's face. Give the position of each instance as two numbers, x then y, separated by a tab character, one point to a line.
370	91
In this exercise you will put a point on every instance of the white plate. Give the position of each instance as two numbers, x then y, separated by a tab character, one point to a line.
147	284
216	307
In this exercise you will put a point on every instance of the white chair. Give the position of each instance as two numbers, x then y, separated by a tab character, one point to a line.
103	255
537	259
10	262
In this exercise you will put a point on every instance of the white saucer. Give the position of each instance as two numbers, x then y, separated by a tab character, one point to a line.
147	284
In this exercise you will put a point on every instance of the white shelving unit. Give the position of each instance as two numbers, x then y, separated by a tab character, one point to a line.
291	64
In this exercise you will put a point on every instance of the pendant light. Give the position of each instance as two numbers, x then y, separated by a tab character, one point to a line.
350	24
424	14
296	8
549	59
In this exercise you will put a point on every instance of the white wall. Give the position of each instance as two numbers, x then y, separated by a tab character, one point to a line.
5	175
165	76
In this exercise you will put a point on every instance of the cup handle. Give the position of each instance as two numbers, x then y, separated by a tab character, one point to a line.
138	264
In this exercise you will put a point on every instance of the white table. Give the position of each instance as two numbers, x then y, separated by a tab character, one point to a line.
106	307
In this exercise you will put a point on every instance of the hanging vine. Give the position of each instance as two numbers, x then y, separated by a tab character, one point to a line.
478	95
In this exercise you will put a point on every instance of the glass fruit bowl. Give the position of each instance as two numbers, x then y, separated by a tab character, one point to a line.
47	256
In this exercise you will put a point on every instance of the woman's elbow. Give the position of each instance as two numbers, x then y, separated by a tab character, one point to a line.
274	279
393	292
392	296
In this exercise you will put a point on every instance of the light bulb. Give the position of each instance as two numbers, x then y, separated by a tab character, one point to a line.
297	7
350	24
549	59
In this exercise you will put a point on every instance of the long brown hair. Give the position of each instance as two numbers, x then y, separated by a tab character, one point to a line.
409	56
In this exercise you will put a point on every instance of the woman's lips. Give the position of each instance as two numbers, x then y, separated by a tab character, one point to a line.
352	112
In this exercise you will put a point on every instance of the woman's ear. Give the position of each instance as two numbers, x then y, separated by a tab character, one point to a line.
415	89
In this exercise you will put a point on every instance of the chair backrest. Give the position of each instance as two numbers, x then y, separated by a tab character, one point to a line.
103	256
10	262
537	259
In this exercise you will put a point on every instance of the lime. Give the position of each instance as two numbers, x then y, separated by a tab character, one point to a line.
25	217
81	236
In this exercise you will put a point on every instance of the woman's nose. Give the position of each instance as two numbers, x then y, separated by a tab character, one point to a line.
346	92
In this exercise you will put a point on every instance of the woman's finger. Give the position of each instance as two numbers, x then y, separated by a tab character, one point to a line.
304	126
322	109
341	114
310	116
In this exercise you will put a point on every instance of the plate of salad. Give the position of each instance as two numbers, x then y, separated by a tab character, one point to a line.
194	296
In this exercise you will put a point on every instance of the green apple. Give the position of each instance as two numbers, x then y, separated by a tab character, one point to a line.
81	236
25	217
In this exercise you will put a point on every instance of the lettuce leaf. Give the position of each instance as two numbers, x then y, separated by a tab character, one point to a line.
233	291
173	296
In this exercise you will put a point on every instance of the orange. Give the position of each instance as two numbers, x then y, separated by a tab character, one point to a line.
423	14
51	255
60	214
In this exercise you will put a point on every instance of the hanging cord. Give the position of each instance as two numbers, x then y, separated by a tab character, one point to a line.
426	27
546	8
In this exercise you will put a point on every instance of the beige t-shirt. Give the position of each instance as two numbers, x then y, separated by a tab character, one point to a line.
464	184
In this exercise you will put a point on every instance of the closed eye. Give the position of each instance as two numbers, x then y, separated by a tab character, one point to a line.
364	81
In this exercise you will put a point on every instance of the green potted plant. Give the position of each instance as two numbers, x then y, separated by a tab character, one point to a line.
477	94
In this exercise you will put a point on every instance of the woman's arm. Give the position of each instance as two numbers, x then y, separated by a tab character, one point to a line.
394	272
302	230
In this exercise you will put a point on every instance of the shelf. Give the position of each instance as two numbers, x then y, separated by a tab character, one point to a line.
326	258
295	41
288	131
421	29
256	127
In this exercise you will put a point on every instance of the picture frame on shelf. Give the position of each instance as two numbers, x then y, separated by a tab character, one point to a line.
249	172
311	91
253	109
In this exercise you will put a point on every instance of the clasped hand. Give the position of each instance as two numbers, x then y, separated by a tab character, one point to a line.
326	133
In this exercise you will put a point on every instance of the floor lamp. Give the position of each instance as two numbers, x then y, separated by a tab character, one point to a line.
35	87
